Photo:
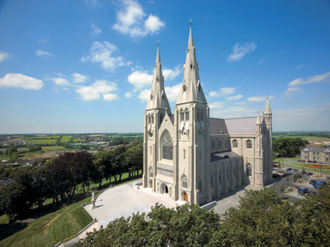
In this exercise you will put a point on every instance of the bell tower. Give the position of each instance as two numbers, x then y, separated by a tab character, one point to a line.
154	114
192	123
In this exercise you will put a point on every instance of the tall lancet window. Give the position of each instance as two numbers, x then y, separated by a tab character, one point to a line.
187	114
181	115
152	118
201	114
197	114
167	146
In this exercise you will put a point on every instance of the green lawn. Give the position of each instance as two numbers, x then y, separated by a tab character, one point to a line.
65	139
52	228
77	140
4	157
308	138
302	165
42	141
4	219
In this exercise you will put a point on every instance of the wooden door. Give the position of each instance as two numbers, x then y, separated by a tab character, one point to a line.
185	196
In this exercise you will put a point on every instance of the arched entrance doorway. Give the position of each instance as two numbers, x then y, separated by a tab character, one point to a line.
151	184
164	189
185	196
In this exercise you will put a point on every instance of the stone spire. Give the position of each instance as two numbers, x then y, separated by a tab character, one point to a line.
191	90
267	109
158	98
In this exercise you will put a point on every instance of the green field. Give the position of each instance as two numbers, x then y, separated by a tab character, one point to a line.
45	152
42	141
52	228
4	157
65	139
77	140
308	138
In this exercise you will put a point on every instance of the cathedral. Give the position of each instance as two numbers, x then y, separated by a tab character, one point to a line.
189	156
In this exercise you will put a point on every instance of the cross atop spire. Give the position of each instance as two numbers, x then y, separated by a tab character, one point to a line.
158	98
191	90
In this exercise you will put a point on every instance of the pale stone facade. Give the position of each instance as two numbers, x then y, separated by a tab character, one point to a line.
316	154
190	156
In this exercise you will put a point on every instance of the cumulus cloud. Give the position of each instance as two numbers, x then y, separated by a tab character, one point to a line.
170	74
217	105
308	80
3	56
222	92
259	98
98	88
131	20
95	30
292	90
128	95
234	97
172	93
240	51
43	54
21	81
59	81
78	78
140	80
103	53
144	94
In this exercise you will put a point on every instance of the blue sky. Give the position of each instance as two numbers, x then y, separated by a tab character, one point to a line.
86	66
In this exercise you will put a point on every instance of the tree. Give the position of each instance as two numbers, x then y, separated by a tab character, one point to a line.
287	146
184	226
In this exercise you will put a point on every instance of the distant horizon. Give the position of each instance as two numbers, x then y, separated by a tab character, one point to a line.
91	67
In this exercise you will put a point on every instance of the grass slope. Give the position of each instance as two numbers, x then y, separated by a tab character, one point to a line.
65	139
52	228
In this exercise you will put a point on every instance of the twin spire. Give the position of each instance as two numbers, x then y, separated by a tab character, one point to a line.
191	89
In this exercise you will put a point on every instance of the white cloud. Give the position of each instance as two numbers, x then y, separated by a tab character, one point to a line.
291	90
263	60
170	74
95	30
259	98
3	56
302	119
128	95
240	51
131	20
43	53
94	91
78	78
59	81
222	92
153	24
234	97
172	93
144	95
140	80
215	105
103	53
110	97
313	79
20	81
300	66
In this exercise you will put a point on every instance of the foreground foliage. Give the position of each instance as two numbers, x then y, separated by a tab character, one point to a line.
262	219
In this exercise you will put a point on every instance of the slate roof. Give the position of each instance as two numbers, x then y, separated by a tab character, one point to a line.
316	149
219	156
233	125
171	116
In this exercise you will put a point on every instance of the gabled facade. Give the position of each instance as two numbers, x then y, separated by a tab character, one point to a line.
319	155
192	157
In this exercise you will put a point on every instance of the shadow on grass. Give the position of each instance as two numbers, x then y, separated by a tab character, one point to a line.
11	229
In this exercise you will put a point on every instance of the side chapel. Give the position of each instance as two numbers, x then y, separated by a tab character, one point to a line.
192	157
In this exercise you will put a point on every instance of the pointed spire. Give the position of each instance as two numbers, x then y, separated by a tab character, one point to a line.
268	109
191	90
158	98
258	118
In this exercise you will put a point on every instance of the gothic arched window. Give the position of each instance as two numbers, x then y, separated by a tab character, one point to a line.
201	114
197	114
167	145
248	169
151	172
235	144
181	115
187	114
184	180
248	144
212	145
219	144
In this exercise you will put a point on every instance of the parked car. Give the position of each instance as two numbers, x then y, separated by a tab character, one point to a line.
314	161
298	160
302	190
312	193
312	182
275	175
318	184
320	162
294	170
303	161
309	173
309	161
289	169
